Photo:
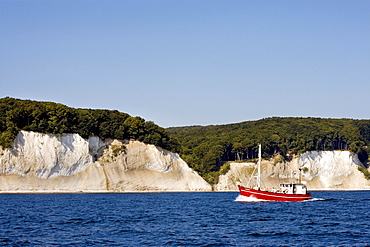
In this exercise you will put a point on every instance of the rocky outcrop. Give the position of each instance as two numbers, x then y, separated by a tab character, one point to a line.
68	163
321	170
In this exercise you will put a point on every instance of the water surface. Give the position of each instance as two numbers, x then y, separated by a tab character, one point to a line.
174	219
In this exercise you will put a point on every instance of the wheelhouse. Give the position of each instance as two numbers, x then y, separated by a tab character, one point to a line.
289	188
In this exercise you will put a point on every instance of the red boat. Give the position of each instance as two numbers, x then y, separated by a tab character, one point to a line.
286	192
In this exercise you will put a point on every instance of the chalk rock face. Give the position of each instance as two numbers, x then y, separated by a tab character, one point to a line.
332	170
239	173
46	156
68	163
140	167
321	170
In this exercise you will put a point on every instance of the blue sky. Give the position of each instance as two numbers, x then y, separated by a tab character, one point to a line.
188	62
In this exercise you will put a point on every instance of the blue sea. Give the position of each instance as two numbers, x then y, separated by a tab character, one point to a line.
340	218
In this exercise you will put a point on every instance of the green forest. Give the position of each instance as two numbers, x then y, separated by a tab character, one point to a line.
54	118
207	149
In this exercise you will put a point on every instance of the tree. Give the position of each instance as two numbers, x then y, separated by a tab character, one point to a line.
49	117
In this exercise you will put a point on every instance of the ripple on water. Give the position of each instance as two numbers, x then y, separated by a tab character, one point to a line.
180	219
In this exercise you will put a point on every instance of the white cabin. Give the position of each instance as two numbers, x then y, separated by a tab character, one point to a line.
293	188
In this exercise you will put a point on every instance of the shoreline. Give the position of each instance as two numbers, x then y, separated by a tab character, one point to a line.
149	192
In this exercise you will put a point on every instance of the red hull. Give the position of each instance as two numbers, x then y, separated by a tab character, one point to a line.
273	196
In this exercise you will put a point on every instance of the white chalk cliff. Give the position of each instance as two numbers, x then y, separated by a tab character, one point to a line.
321	170
68	163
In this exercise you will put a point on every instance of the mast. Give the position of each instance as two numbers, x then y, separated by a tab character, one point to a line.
259	167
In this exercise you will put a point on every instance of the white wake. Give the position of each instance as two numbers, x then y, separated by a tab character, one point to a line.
241	198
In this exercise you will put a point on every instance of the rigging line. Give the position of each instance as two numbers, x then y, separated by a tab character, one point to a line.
252	176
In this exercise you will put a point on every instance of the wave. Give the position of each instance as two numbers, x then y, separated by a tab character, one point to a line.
337	199
316	199
241	198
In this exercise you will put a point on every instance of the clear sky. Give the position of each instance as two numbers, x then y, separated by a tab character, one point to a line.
189	62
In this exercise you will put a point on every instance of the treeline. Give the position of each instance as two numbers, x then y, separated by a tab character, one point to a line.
207	148
53	118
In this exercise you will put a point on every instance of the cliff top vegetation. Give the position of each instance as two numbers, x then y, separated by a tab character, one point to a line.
54	118
207	148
